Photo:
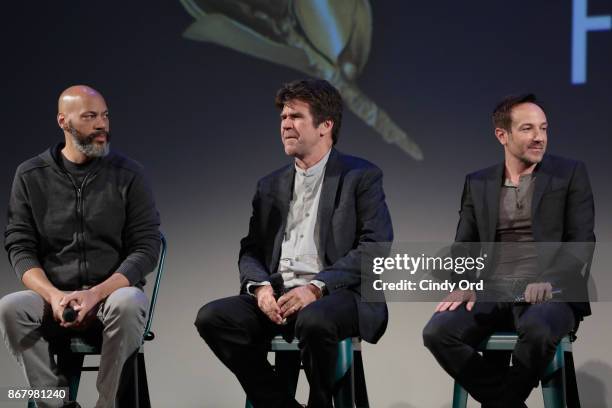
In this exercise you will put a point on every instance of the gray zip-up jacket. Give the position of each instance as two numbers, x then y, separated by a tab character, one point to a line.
81	234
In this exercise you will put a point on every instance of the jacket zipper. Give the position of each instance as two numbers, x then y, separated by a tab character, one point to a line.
81	232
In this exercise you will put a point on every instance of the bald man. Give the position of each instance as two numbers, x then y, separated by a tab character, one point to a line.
82	232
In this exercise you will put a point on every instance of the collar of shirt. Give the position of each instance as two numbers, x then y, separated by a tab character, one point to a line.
524	179
315	170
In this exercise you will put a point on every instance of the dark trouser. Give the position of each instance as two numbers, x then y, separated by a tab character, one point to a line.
239	334
453	336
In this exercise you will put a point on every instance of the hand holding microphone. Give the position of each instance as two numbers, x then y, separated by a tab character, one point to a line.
77	307
538	292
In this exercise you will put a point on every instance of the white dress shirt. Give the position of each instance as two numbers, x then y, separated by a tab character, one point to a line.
299	258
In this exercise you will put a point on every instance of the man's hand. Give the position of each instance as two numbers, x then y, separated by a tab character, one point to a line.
35	279
538	292
298	298
267	303
58	310
454	299
82	301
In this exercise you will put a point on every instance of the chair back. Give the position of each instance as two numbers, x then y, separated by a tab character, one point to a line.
148	334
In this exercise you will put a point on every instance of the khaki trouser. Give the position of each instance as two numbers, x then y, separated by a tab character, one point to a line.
26	324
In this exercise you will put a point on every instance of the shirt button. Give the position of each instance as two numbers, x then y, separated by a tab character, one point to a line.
301	235
308	214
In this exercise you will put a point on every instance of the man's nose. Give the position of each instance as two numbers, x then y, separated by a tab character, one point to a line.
101	123
287	124
538	135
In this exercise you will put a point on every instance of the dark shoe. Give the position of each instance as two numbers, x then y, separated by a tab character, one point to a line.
71	404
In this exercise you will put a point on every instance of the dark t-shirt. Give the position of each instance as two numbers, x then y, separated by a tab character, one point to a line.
76	170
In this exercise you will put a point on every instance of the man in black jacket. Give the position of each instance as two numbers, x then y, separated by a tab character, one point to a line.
310	226
538	209
82	232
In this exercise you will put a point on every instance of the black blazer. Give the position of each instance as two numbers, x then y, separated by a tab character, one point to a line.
352	212
562	211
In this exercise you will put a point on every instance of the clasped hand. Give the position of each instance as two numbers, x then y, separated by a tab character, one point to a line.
287	305
82	301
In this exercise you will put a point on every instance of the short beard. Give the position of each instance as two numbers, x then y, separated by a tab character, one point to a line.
85	143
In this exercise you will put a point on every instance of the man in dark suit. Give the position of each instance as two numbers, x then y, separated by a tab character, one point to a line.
531	198
310	226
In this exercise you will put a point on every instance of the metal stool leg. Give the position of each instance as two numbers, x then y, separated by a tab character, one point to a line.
553	387
460	396
344	396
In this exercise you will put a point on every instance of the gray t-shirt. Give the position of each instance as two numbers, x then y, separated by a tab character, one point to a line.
516	255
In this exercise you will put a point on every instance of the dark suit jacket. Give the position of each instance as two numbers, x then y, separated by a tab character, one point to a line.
562	212
352	212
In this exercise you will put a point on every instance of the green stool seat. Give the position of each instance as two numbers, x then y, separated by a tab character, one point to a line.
351	388
559	388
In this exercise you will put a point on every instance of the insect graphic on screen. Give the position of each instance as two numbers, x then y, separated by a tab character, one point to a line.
328	39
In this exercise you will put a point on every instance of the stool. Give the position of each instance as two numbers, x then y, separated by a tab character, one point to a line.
350	380
559	387
133	389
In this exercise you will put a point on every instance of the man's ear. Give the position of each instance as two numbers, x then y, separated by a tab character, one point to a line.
61	121
501	135
326	127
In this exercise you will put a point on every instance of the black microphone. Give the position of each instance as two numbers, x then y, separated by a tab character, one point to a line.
521	298
278	284
69	314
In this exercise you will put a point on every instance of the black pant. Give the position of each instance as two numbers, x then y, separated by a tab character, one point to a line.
239	334
453	336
